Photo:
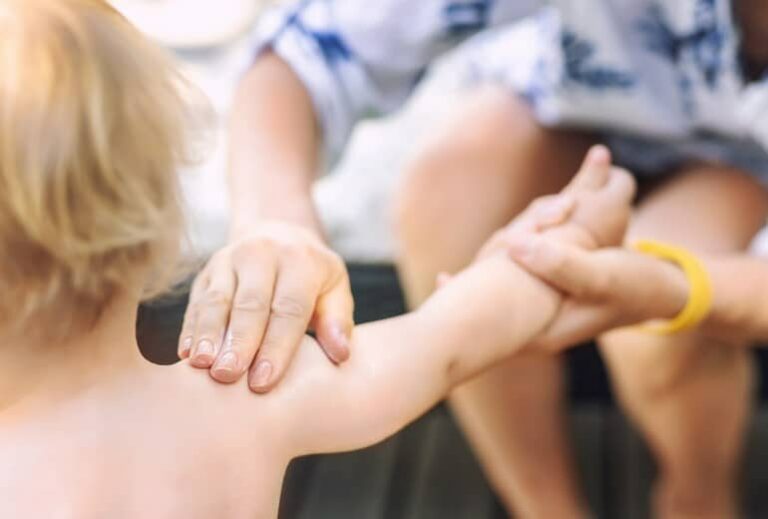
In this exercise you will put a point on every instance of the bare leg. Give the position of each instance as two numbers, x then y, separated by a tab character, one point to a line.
469	181
690	395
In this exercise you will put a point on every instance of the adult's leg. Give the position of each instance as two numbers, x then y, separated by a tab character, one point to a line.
690	394
470	180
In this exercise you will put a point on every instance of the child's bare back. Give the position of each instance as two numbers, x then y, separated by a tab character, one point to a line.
108	434
155	442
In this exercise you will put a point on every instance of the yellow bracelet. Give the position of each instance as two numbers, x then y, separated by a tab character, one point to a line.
700	293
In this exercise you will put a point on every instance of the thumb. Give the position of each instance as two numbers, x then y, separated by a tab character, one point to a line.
334	320
571	270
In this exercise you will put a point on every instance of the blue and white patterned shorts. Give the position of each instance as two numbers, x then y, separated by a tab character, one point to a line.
651	130
649	157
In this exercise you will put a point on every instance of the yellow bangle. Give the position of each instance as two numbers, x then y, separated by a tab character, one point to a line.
700	293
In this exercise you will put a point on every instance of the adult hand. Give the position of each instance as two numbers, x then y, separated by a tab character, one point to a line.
604	289
254	301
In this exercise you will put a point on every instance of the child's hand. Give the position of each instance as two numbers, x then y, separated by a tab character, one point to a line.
542	214
593	211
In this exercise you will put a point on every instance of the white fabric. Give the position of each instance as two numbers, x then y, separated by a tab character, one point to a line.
185	24
654	68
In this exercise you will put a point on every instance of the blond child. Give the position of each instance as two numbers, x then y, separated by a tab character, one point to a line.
91	132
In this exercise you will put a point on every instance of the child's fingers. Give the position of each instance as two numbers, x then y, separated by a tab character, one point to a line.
623	184
543	213
594	171
553	211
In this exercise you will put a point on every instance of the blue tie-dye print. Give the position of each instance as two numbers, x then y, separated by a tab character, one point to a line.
658	36
702	47
578	54
538	87
707	42
331	44
466	17
598	64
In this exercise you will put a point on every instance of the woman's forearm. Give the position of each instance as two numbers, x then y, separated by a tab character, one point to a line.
741	296
273	148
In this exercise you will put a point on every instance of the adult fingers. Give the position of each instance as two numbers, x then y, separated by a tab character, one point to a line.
212	304
293	303
187	334
334	319
248	317
576	272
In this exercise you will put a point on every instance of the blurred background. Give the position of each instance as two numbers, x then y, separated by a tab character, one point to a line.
427	470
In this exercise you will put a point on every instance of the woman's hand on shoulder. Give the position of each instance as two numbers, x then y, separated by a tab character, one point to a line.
255	300
604	289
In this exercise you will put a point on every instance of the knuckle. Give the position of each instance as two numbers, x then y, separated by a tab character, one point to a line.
335	258
190	316
199	282
246	252
251	303
297	250
215	298
289	307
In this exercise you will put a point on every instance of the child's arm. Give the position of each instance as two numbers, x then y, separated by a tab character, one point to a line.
404	366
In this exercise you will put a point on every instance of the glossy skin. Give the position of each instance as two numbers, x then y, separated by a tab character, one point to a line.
135	439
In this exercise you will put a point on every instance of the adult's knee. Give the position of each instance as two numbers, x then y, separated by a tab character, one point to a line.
477	146
650	368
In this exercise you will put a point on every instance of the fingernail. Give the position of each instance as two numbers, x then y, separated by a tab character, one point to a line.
227	363
341	338
262	373
186	345
204	349
599	153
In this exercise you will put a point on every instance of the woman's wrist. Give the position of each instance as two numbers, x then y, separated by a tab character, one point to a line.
673	291
297	209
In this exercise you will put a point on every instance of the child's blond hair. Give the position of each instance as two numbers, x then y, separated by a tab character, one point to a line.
92	128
